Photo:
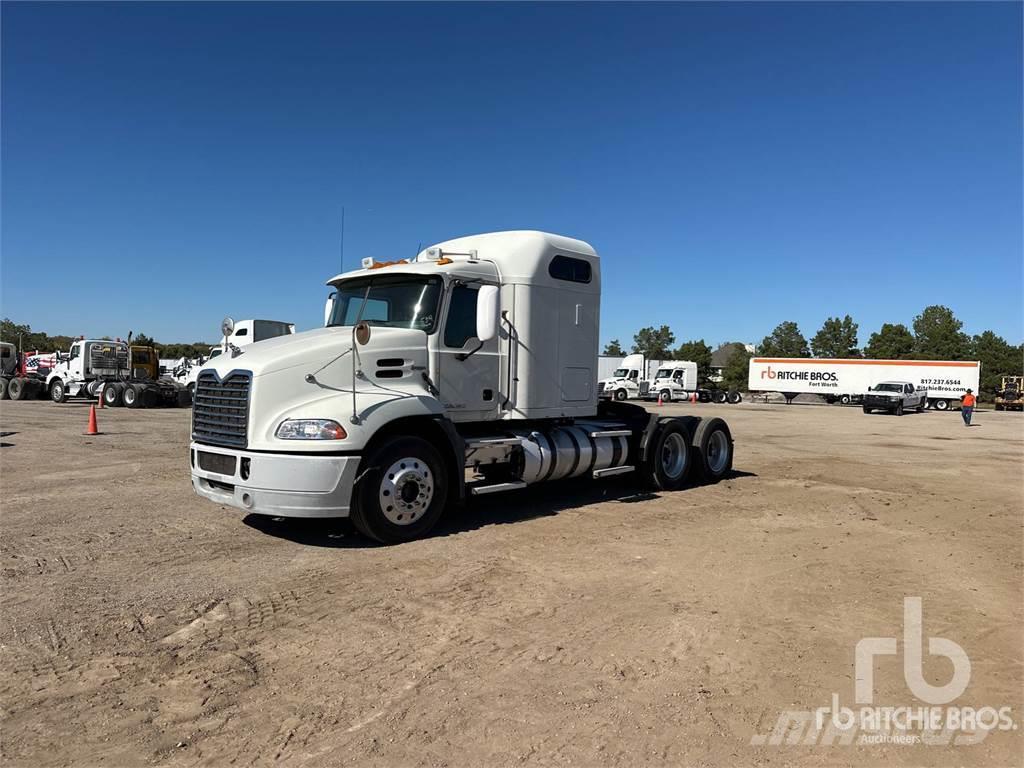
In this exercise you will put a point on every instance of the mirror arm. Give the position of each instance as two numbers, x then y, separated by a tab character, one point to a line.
466	355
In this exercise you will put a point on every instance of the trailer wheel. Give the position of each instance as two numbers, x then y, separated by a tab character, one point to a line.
402	491
668	462
844	399
3	388
940	405
620	395
713	443
734	397
112	395
58	392
131	396
721	397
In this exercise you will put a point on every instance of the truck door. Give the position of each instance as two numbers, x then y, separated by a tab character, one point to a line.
468	379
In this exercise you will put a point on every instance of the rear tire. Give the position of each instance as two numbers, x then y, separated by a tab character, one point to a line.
734	397
714	449
721	397
844	399
17	389
58	392
132	396
668	463
112	395
402	492
941	405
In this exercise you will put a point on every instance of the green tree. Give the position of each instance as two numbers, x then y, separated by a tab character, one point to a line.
143	340
998	358
937	335
837	338
890	342
654	343
785	341
735	374
698	352
614	348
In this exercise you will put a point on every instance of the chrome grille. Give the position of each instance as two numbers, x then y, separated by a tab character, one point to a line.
600	388
220	409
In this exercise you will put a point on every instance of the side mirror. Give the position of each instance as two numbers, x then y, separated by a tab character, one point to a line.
329	307
487	313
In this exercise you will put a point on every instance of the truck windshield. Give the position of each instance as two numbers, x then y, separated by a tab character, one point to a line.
395	301
889	388
663	373
621	373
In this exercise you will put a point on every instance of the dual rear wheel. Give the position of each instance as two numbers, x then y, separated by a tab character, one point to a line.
688	448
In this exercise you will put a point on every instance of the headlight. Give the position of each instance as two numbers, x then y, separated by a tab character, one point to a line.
310	429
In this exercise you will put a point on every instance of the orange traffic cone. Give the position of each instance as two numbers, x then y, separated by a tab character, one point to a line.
93	429
693	398
660	401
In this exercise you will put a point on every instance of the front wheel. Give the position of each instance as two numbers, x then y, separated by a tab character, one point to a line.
898	410
620	395
58	392
402	493
713	443
666	396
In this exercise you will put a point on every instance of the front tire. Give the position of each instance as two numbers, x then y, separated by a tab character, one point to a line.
898	410
620	395
403	491
666	396
714	449
866	409
58	392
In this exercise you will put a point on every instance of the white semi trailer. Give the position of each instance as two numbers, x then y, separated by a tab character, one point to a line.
848	380
477	357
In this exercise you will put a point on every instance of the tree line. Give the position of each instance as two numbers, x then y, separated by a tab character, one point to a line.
937	335
28	340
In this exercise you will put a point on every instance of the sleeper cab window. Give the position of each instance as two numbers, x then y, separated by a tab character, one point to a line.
460	326
570	269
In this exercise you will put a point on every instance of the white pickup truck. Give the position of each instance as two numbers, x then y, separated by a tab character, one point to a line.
895	397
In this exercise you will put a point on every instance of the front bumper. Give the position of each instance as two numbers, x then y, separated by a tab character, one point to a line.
280	485
881	403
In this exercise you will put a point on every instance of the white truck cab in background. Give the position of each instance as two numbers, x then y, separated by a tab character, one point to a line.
239	334
675	381
479	354
631	379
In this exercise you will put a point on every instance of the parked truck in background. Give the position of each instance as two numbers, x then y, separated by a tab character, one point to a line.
1008	398
238	334
631	379
848	380
895	397
477	356
126	374
17	381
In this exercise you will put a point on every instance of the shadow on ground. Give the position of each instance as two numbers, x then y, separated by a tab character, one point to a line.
543	500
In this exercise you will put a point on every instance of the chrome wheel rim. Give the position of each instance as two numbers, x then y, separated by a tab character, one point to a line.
718	451
406	490
673	456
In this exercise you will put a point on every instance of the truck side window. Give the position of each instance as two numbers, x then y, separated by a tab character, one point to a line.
460	326
566	268
74	352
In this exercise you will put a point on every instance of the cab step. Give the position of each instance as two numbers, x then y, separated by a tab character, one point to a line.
483	490
613	471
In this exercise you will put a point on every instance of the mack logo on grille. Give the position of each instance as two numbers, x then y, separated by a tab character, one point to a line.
220	409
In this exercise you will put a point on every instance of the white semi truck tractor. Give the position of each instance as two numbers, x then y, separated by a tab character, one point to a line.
466	371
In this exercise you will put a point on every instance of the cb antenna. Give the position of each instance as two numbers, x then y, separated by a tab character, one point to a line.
342	265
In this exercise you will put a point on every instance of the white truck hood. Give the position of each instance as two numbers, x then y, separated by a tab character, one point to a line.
314	348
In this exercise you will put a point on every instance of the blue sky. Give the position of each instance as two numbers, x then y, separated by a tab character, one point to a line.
735	165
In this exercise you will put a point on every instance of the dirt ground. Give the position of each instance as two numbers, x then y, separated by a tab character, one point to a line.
569	624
